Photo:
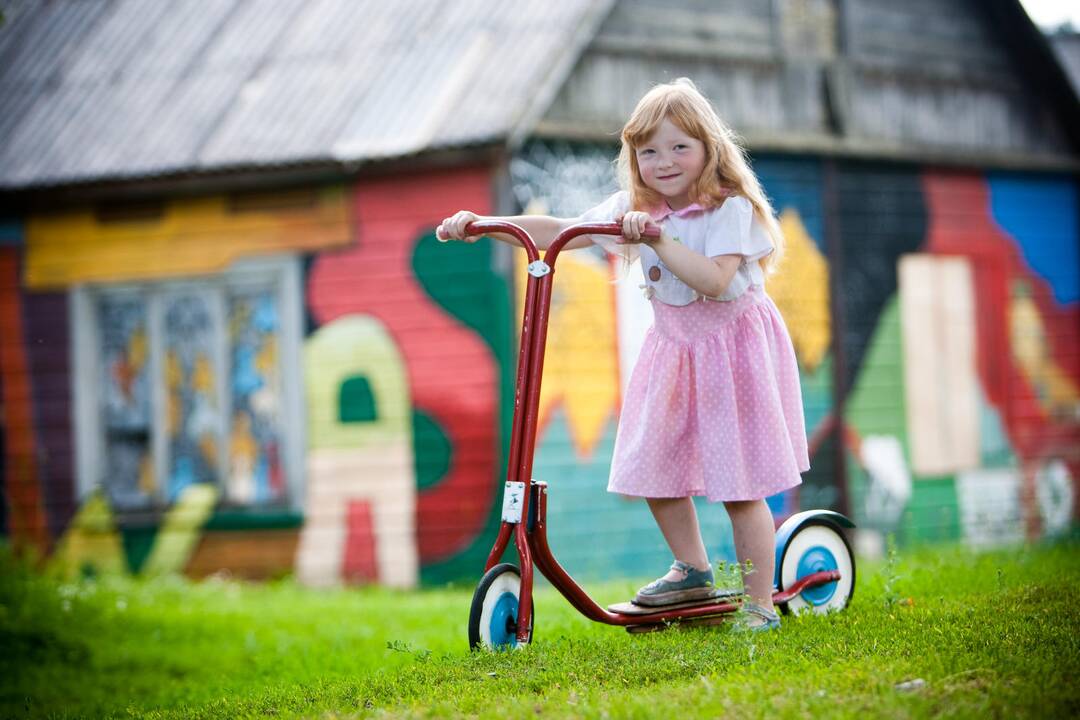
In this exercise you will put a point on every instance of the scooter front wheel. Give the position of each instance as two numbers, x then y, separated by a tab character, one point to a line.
494	612
817	546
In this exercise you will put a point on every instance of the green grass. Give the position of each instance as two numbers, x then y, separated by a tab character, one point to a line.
995	634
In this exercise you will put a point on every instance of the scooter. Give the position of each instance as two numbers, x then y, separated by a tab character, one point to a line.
815	568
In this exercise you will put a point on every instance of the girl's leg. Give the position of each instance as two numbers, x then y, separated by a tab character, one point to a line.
678	522
752	523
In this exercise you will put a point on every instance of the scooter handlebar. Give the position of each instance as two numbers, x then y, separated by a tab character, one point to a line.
485	227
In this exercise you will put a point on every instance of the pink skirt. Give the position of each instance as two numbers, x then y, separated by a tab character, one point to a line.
714	405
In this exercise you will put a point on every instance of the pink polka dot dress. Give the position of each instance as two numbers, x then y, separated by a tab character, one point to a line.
714	406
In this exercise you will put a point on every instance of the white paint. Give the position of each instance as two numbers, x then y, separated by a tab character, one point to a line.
890	481
990	506
1054	489
937	318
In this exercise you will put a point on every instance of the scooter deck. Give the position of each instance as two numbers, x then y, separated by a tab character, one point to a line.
631	608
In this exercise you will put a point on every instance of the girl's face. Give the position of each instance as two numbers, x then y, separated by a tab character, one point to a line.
670	162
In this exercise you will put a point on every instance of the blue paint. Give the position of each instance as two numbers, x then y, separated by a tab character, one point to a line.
796	184
246	378
265	315
504	614
1041	213
262	479
817	559
11	232
995	449
183	474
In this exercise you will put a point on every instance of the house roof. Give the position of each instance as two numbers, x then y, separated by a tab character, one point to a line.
125	89
1066	46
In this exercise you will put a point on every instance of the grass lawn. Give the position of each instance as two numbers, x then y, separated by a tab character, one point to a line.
981	635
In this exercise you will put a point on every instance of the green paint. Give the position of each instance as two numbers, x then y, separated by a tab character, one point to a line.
460	278
876	404
254	519
431	450
817	392
137	543
181	529
932	514
995	450
356	402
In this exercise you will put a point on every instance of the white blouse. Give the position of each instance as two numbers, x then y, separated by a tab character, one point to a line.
731	229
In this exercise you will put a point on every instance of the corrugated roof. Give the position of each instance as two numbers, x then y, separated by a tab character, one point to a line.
113	89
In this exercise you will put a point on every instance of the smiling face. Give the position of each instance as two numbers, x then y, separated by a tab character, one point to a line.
670	162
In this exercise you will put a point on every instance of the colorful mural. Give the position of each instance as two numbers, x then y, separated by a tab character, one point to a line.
448	314
935	327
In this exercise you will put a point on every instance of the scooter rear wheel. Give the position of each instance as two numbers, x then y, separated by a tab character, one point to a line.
494	612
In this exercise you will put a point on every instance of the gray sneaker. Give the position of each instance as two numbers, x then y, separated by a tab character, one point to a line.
695	585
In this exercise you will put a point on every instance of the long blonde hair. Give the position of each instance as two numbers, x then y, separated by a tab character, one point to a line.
726	172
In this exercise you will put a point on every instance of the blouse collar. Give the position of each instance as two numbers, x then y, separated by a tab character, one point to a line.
662	210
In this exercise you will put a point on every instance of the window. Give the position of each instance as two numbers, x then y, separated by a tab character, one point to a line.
191	381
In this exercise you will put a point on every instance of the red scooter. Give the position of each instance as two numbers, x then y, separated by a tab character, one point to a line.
815	568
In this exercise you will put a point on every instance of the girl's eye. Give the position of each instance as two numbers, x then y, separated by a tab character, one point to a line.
680	146
645	151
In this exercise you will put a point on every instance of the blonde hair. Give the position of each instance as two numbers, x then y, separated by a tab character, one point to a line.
726	172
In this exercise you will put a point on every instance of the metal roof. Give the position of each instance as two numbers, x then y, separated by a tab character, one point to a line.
118	89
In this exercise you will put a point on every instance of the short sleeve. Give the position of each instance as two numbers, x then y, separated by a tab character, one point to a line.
735	230
615	206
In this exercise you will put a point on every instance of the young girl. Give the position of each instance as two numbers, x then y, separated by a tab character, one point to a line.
713	406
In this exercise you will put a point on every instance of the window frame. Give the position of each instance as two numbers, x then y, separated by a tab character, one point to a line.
282	273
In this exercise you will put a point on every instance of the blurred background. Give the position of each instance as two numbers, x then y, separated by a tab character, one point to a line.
230	344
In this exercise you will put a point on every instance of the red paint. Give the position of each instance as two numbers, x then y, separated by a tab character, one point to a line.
961	223
359	564
452	374
26	513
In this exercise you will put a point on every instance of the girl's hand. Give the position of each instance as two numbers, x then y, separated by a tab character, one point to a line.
453	227
633	227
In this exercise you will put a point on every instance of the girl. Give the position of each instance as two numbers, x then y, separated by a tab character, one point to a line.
713	406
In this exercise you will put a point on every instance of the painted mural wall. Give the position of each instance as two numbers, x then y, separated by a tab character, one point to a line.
935	318
934	315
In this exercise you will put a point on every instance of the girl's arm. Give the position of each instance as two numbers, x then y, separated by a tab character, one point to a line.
709	276
542	228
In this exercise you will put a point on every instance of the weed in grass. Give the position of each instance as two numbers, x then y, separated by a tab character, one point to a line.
892	577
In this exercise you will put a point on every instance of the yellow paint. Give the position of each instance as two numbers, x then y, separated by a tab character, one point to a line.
193	236
800	290
146	475
180	530
137	349
266	360
208	447
1057	392
90	542
202	376
355	345
581	360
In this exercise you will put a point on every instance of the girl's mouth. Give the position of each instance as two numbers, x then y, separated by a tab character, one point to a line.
667	177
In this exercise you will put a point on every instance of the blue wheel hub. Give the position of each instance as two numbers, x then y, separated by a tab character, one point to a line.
503	626
817	559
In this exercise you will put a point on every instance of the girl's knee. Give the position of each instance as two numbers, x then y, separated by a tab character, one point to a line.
735	506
